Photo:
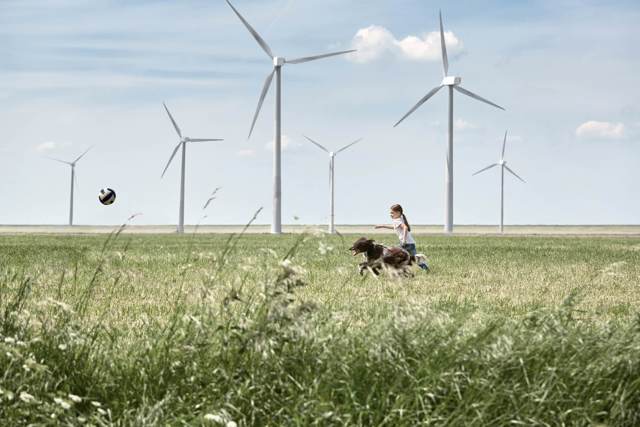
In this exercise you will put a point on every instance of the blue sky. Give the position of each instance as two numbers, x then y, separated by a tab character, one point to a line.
82	73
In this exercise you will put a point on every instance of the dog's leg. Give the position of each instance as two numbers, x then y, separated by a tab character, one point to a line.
362	267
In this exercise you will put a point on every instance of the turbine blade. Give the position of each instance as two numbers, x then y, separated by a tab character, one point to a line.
58	160
215	191
265	89
478	97
175	125
484	169
514	174
81	155
175	150
422	101
504	144
445	59
263	44
203	140
347	146
315	57
316	144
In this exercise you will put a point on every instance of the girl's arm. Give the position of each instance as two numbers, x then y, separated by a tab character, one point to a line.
405	229
390	227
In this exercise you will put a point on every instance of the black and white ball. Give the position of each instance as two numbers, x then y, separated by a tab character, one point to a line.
107	196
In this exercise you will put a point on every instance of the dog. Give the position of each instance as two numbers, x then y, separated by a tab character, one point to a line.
395	260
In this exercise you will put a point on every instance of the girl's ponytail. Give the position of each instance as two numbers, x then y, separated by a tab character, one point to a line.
404	218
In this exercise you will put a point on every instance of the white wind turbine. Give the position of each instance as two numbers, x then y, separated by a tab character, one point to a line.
452	82
332	157
503	165
73	178
278	63
182	143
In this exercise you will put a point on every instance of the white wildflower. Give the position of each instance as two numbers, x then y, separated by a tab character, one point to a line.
96	404
76	399
63	403
62	347
10	340
231	424
102	411
26	397
214	418
323	248
63	306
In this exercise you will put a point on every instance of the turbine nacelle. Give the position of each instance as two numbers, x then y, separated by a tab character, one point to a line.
332	154
502	162
451	81
278	61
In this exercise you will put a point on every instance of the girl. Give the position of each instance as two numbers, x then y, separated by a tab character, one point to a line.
403	230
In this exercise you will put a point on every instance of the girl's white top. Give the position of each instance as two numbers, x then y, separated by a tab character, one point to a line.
397	227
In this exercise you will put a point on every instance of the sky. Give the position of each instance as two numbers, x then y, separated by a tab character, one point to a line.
76	74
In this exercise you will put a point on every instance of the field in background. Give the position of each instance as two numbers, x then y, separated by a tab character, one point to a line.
577	230
183	329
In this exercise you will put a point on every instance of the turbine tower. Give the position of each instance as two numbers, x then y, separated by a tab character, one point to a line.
182	143
503	165
73	178
278	63
332	157
452	83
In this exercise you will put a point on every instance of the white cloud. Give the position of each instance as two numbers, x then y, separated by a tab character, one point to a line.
600	130
286	143
48	146
463	125
376	42
247	153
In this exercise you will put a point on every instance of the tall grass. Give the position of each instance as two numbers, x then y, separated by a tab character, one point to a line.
250	349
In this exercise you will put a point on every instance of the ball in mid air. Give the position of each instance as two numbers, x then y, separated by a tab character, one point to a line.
107	196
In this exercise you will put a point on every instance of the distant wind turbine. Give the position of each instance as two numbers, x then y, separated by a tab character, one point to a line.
452	82
503	165
332	157
73	178
182	143
278	63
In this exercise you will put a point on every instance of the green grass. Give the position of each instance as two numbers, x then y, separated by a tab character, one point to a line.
205	329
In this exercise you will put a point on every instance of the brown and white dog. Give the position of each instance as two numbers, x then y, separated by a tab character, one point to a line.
379	257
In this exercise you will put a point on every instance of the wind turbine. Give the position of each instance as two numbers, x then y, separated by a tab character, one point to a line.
182	143
451	82
73	178
332	157
503	165
278	63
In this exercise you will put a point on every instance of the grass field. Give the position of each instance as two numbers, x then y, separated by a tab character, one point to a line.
214	329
